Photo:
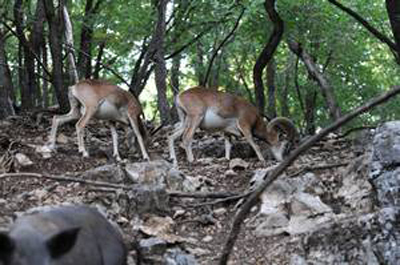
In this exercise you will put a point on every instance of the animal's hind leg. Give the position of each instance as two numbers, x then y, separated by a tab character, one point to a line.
114	135
80	125
60	120
192	124
176	134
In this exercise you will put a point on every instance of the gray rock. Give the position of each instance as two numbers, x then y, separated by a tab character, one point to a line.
152	246
177	257
385	164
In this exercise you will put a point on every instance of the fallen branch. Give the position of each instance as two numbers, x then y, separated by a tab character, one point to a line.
314	168
199	195
203	195
231	198
59	178
272	176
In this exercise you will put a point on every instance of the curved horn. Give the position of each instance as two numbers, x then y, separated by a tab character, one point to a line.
286	125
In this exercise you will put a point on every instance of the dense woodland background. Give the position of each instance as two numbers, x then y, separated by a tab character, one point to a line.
309	60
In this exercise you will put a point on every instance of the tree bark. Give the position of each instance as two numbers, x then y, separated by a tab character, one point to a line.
285	111
97	66
326	89
69	39
160	68
271	69
36	42
29	86
6	108
267	53
56	30
85	54
393	9
309	115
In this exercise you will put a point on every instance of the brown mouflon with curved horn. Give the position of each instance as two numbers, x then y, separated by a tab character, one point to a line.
102	100
219	111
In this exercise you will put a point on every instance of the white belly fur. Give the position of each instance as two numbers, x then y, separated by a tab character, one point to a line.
212	121
108	111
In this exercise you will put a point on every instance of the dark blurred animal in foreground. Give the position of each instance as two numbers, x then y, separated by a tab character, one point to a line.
63	235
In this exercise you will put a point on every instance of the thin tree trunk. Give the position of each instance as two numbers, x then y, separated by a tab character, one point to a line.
215	53
199	65
29	83
267	53
6	108
85	54
309	115
160	68
69	39
326	89
175	85
36	44
393	9
45	86
271	69
56	35
285	112
97	67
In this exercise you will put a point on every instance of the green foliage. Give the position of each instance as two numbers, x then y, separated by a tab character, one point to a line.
357	65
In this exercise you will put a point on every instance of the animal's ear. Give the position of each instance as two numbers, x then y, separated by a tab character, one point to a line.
7	246
62	242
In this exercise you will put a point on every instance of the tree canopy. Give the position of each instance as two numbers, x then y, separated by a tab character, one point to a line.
346	49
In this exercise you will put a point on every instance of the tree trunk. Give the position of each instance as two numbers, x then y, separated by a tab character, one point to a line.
309	115
85	52
271	69
143	67
6	108
199	65
393	9
69	39
175	85
29	86
326	89
267	53
45	90
160	68
56	36
285	112
97	67
36	44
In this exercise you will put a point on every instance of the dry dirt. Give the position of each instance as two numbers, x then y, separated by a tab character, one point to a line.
23	134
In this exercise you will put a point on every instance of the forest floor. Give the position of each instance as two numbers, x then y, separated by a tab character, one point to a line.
205	239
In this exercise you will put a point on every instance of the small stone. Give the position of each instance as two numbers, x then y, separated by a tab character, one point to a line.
23	160
238	163
207	239
230	173
220	211
62	139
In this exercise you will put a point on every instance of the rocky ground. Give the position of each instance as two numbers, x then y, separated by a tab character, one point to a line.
337	204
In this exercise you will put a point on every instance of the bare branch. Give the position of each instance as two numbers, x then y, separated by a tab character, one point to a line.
221	45
379	35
